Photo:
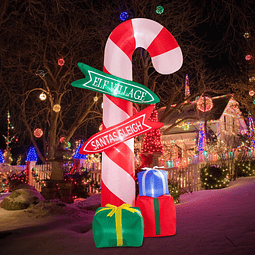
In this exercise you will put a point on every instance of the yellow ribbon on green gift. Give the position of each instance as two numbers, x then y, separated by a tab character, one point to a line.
118	218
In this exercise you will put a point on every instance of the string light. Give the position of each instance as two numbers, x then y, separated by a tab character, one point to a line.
32	155
185	126
201	137
77	155
95	99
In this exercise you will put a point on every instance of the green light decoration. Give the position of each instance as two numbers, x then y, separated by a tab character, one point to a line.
246	35
159	9
254	101
68	145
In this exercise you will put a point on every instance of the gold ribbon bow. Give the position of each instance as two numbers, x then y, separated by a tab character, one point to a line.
118	218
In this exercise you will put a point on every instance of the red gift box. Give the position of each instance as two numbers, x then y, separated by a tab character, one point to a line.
159	215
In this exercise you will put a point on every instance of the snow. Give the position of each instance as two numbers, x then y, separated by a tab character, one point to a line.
208	222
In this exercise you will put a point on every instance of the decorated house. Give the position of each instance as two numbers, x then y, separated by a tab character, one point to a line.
217	120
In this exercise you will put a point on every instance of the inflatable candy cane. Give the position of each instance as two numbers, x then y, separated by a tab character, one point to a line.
118	184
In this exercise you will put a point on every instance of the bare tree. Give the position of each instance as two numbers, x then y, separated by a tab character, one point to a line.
33	42
35	34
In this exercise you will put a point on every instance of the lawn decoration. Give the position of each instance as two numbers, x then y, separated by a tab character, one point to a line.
153	182
166	55
118	226
155	203
159	215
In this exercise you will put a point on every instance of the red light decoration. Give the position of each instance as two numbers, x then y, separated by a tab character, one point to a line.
251	93
62	139
38	133
152	142
61	62
204	104
248	57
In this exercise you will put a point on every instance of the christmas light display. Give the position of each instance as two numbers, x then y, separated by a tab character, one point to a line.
246	35
251	93
1	157
124	16
251	131
77	155
42	96
248	57
32	155
38	133
152	142
252	79
61	62
245	168
204	104
8	140
56	108
185	126
214	177
187	90
201	137
15	180
159	9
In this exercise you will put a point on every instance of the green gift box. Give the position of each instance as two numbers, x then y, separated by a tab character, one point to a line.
118	226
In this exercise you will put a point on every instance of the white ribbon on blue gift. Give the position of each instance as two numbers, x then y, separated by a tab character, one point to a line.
162	178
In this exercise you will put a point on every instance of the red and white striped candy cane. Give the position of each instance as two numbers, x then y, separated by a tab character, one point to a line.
118	184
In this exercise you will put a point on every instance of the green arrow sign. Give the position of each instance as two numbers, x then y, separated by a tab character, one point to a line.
114	86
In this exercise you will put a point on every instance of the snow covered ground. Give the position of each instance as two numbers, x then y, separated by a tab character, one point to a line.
208	222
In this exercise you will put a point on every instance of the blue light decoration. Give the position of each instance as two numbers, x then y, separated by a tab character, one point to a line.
77	155
201	137
1	157
124	16
32	155
251	131
187	90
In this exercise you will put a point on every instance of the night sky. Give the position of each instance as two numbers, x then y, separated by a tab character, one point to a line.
212	35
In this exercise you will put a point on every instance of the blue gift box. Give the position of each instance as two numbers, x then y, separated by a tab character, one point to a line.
153	183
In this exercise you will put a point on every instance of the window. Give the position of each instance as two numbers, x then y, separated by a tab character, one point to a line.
225	122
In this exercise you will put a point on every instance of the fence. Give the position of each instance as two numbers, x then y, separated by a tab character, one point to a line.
187	176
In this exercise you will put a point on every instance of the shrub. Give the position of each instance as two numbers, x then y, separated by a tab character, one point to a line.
214	177
174	191
245	168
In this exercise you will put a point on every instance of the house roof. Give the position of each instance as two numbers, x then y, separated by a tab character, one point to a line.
191	111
